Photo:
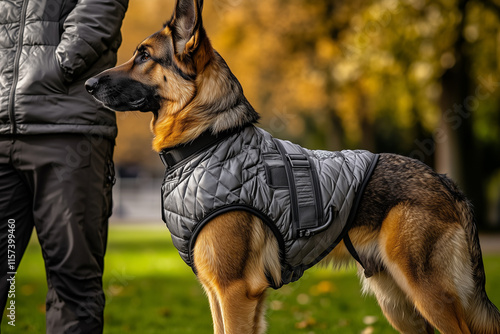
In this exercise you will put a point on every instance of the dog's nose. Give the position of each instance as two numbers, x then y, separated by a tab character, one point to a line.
91	85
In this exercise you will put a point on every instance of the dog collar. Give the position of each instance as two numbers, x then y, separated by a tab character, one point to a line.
177	154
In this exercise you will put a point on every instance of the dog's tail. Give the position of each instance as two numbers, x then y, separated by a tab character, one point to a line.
483	316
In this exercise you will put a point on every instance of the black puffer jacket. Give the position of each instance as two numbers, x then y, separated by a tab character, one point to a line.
48	48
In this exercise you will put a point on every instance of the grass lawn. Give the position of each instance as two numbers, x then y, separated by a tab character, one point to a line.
150	290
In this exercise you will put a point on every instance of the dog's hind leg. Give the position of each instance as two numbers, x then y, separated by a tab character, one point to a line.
398	310
232	255
429	260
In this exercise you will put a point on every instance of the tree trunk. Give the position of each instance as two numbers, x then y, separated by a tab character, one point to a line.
456	151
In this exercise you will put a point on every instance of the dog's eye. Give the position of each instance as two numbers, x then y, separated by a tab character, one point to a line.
145	56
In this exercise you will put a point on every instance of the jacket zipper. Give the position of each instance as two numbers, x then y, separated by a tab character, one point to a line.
15	79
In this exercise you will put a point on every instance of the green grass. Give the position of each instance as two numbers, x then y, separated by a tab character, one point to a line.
150	290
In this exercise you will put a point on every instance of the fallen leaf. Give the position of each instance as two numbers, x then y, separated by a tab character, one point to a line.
309	322
303	299
370	320
368	330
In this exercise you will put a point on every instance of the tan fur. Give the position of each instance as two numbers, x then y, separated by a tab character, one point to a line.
395	305
414	232
365	241
236	284
436	296
185	118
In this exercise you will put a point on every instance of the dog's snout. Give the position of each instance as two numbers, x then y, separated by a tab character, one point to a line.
91	85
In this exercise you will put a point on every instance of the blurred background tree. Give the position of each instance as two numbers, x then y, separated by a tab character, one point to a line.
414	77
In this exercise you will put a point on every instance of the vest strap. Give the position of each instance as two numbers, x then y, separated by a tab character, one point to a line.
353	213
352	250
305	194
177	154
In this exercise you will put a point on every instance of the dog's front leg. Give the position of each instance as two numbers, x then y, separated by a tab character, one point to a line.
230	256
242	309
214	307
233	311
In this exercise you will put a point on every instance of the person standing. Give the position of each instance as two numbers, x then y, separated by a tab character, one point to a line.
56	150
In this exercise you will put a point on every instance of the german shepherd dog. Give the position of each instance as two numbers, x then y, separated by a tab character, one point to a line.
414	229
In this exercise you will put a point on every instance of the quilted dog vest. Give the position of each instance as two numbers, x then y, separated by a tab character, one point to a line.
306	197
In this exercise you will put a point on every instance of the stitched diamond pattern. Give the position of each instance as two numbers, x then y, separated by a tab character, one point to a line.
233	172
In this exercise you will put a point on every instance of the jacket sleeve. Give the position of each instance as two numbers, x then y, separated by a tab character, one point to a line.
90	29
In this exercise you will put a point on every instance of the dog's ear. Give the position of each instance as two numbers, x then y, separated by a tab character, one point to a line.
186	25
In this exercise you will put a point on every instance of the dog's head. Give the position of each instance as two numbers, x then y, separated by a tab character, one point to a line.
177	75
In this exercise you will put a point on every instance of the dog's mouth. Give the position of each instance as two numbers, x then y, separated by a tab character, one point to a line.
137	104
115	104
118	103
125	95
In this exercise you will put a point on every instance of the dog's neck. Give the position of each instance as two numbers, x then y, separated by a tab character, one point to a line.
218	104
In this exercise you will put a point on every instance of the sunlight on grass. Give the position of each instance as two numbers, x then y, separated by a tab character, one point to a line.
149	289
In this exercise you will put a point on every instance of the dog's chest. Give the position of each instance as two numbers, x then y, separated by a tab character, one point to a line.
304	196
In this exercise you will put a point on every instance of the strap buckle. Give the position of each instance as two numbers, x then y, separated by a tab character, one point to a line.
298	160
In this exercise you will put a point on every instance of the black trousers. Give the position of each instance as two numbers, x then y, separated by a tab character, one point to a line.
61	185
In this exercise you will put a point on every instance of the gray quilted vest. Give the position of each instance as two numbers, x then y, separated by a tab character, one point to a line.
307	198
